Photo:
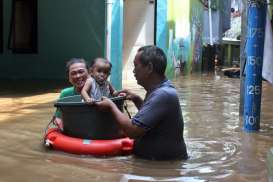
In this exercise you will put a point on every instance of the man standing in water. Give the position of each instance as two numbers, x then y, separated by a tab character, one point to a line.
158	125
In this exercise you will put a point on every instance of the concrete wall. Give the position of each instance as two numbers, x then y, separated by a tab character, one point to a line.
66	28
138	31
116	42
179	33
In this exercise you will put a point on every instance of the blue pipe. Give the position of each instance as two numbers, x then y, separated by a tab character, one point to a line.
254	63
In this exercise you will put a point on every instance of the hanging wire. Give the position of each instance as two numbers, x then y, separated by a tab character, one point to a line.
51	124
126	109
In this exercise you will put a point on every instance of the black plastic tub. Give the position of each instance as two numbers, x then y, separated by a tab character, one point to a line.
86	121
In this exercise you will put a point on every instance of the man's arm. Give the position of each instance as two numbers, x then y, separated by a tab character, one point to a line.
123	120
136	99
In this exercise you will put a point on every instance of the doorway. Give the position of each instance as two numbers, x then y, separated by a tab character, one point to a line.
138	30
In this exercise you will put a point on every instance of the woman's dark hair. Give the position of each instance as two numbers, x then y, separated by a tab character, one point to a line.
155	56
73	61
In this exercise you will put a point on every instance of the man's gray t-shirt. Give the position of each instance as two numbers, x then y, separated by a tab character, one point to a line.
161	117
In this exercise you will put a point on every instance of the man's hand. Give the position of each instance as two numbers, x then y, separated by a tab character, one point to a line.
105	104
129	95
137	100
122	119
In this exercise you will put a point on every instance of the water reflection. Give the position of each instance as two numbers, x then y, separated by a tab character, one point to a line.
219	150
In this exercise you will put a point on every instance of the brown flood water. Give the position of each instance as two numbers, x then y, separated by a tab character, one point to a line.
218	148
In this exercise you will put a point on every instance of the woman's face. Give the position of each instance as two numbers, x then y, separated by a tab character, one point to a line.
78	75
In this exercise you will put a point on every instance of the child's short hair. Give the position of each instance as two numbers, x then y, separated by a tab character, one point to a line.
92	63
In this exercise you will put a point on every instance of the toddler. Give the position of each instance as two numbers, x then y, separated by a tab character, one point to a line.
97	85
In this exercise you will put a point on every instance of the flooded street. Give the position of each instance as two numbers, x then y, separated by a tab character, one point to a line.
219	149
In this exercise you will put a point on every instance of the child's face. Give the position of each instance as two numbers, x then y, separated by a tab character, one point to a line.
101	71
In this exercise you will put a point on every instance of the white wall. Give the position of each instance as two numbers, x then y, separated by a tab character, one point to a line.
138	31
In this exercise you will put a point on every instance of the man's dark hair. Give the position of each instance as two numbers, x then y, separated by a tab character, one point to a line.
154	55
73	61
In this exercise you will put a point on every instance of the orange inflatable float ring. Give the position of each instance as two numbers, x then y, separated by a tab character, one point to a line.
59	141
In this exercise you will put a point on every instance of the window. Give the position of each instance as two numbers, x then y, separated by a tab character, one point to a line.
23	31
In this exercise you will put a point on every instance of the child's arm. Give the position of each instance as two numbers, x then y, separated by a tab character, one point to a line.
85	91
113	92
